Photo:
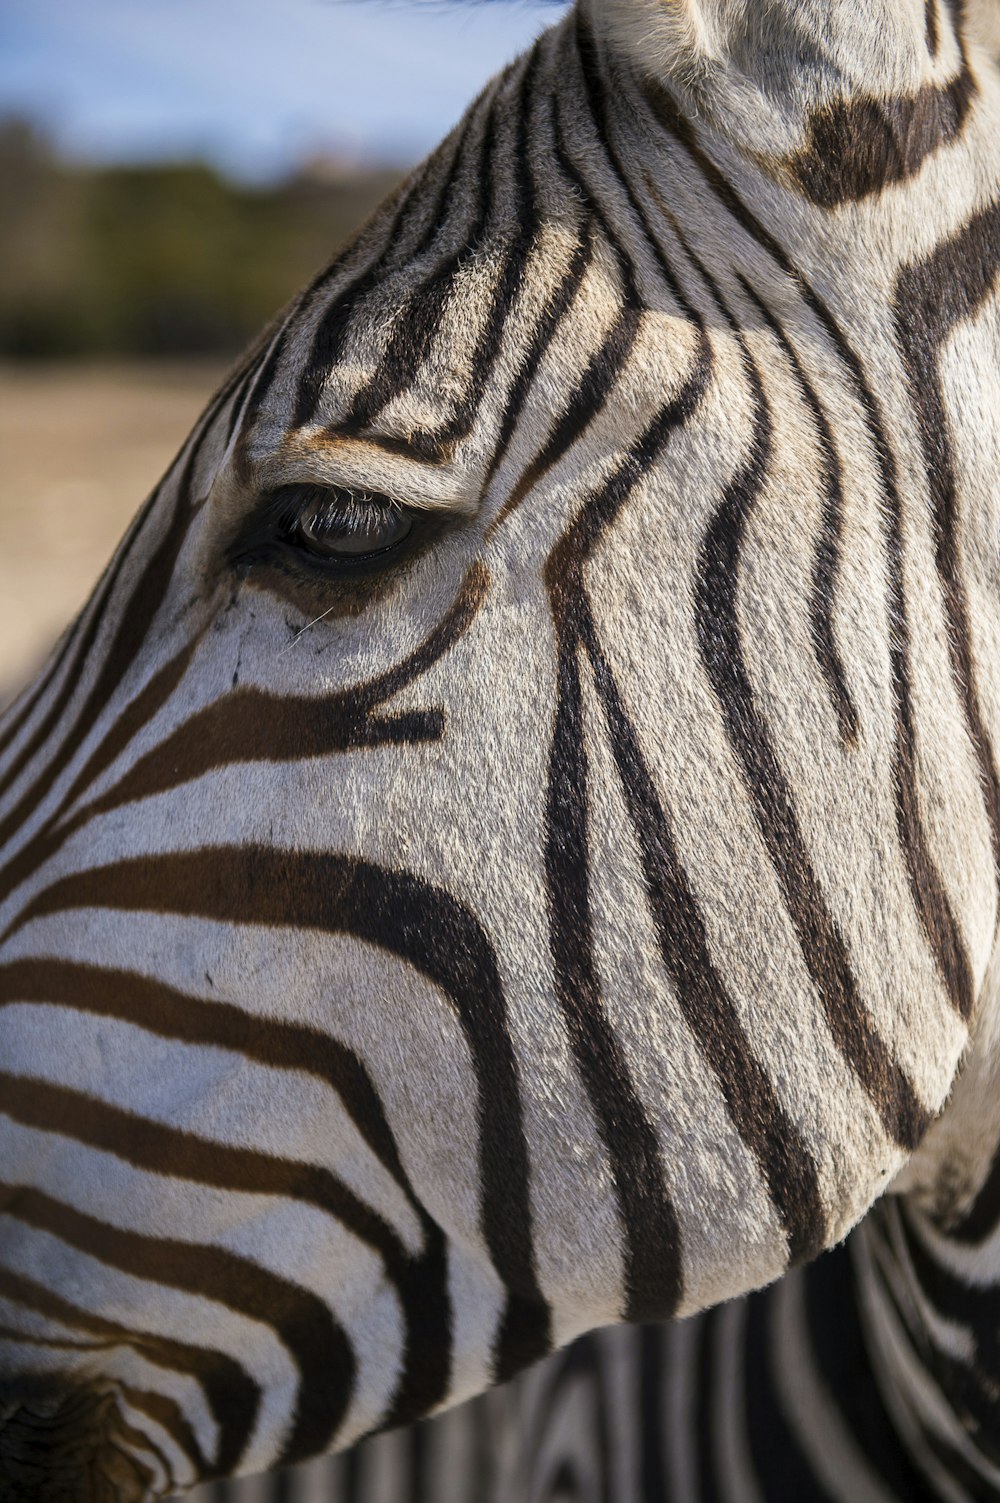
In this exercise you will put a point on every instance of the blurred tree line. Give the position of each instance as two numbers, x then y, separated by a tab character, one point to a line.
158	259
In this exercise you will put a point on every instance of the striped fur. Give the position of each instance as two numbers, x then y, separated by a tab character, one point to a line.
581	915
783	1395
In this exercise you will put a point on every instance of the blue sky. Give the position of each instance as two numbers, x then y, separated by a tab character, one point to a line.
253	85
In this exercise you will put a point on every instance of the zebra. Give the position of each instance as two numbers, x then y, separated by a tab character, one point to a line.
775	1395
511	846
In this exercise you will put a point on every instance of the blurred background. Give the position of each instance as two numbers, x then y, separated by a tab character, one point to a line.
170	172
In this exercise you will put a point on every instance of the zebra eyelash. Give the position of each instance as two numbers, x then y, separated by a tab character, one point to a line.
352	512
301	526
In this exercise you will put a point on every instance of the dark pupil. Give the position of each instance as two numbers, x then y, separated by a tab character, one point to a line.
342	524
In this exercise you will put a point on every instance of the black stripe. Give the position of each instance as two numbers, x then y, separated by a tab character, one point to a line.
408	918
904	1117
412	335
782	1469
844	1367
827	562
858	147
331	331
440	442
556	309
232	1395
705	1415
930	900
653	1260
654	1356
652	1236
931	297
779	1148
300	1320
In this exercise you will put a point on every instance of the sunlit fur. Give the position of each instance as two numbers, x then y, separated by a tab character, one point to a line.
586	916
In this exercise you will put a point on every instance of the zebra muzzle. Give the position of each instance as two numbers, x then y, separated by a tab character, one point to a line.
67	1447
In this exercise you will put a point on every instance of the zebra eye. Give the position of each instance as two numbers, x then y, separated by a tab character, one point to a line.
344	525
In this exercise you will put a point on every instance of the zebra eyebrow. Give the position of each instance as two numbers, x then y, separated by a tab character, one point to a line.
378	464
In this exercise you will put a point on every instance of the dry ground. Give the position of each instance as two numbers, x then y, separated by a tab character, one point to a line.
80	448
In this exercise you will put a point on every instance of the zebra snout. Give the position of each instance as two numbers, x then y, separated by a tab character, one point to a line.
65	1445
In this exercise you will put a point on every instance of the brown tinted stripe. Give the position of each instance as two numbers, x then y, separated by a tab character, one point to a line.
857	147
65	1343
16	714
177	1154
300	1320
827	561
56	831
929	898
251	726
406	917
931	298
931	34
232	1396
160	1009
421	1280
168	1414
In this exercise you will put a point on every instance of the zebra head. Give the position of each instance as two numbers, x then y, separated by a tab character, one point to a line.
511	844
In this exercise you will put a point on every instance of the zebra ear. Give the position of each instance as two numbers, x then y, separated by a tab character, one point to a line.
756	72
